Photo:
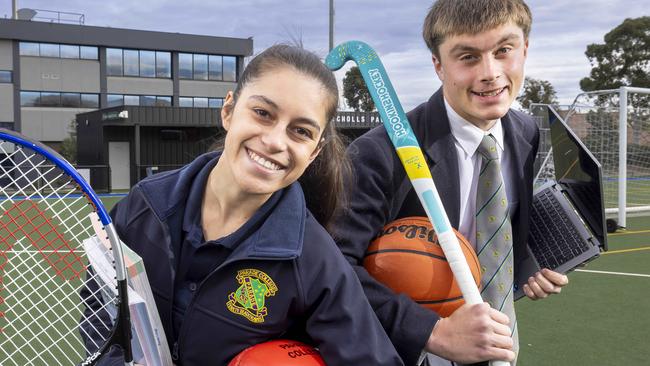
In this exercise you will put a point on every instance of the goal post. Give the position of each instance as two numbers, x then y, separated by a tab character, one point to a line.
615	127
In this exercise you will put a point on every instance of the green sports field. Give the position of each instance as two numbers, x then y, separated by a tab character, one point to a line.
602	317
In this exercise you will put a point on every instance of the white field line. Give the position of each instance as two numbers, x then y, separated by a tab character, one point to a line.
614	273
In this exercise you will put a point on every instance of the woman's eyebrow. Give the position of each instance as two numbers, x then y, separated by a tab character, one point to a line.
273	105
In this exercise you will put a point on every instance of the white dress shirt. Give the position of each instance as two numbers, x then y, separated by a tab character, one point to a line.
467	138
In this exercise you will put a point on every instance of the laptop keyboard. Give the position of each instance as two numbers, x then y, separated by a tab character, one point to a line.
553	232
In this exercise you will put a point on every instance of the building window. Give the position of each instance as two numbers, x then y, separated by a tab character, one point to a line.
69	51
70	100
215	102
50	50
148	100
89	100
207	67
185	102
29	49
216	67
163	101
146	64
131	100
5	76
163	64
56	99
50	99
185	65
229	68
131	63
200	102
58	50
139	100
114	61
114	100
29	99
88	53
200	67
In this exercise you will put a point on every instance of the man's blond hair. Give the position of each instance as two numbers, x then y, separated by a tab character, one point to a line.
454	17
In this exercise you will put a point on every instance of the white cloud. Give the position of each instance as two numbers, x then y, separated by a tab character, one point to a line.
561	30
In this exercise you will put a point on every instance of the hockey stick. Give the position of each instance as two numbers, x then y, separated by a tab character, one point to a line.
408	149
54	308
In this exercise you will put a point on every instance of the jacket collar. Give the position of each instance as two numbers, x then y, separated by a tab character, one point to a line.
431	125
276	231
521	148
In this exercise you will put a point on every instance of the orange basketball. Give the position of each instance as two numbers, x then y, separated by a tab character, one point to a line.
279	352
407	258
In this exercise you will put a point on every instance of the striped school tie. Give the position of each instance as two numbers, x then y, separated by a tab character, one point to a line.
494	235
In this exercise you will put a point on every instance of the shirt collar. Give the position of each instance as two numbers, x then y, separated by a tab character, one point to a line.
194	201
279	235
468	135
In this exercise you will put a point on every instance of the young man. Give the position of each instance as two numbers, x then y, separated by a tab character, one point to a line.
481	156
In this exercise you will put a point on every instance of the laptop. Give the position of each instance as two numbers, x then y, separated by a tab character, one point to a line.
567	224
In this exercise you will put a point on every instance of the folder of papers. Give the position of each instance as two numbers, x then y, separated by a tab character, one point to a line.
149	343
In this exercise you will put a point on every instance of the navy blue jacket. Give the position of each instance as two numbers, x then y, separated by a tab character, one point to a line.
287	260
383	193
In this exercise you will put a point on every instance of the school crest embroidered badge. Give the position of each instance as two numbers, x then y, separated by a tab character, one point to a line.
248	300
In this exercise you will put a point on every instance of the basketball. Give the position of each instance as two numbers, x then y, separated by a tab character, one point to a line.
279	352
407	257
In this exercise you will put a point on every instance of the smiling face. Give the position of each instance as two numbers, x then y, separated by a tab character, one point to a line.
481	73
274	130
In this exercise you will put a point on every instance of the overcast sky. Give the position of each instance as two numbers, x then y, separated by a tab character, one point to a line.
561	30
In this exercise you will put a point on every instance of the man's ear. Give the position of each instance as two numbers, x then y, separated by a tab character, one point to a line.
526	49
438	67
227	110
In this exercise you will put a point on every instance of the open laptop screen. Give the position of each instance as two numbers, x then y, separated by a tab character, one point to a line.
579	173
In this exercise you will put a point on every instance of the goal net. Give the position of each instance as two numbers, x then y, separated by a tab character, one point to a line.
615	127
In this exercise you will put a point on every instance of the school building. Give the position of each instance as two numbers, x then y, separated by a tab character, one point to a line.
138	101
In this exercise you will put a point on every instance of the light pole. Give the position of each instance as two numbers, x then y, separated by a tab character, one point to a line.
331	24
14	10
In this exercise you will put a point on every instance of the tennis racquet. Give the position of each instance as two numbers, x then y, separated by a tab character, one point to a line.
54	308
410	154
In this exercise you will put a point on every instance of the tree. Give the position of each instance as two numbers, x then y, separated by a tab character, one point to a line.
624	58
536	91
356	92
69	144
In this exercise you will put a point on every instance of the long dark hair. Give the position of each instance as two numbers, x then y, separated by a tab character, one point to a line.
324	180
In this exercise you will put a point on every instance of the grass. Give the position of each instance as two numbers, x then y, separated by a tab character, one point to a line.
40	278
599	319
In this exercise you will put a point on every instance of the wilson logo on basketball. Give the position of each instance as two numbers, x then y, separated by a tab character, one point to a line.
410	231
406	257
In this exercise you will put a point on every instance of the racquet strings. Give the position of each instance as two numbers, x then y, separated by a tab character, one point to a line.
44	218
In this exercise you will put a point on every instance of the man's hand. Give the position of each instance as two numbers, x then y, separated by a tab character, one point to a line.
545	283
473	333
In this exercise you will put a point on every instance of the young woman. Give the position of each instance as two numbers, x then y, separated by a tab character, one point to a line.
233	255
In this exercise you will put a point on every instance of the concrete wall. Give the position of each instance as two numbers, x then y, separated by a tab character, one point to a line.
6	55
6	102
139	86
54	74
48	124
214	89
